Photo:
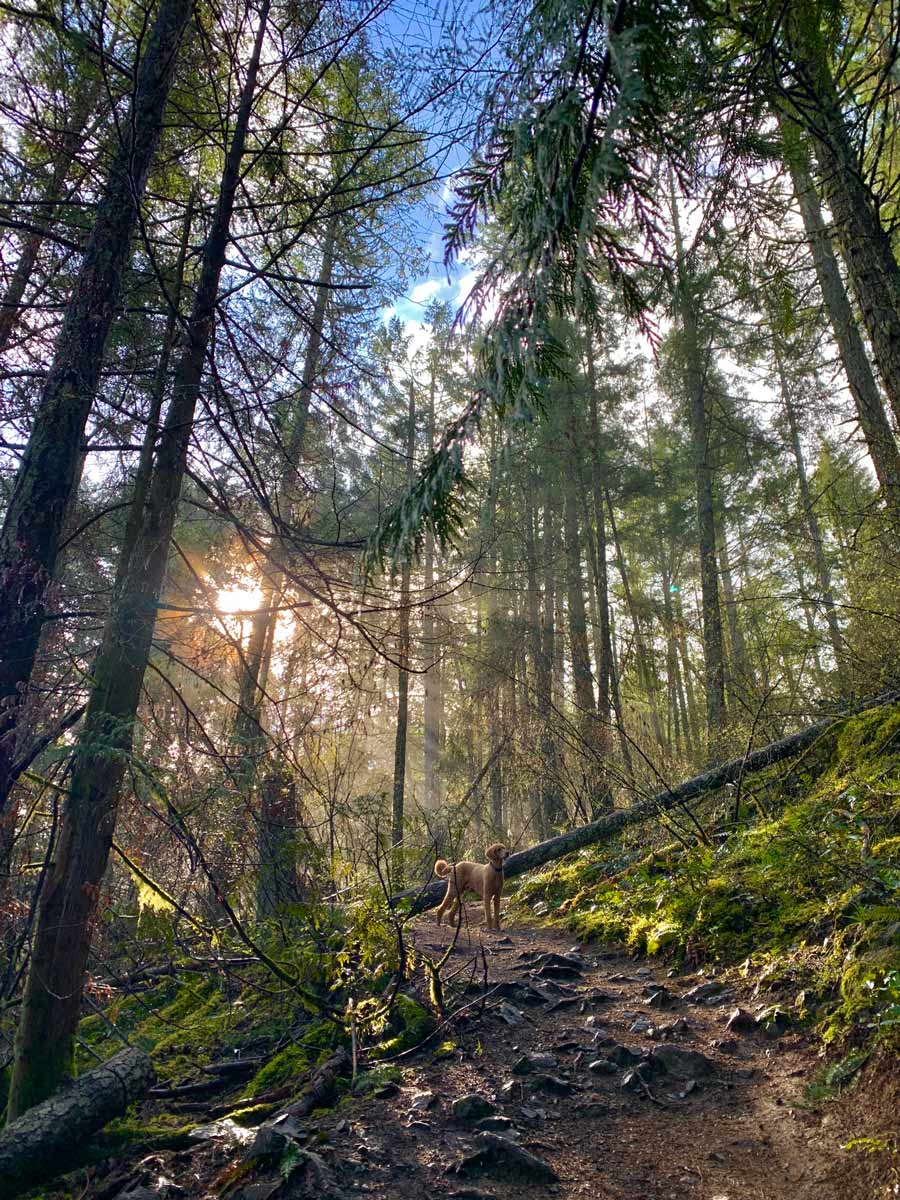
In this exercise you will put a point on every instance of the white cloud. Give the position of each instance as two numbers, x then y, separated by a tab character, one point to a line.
423	292
464	285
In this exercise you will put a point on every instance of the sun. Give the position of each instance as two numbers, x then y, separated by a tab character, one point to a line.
236	600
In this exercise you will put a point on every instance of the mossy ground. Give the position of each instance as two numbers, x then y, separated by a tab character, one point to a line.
801	893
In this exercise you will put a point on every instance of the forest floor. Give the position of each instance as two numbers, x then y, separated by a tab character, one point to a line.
714	1114
731	1125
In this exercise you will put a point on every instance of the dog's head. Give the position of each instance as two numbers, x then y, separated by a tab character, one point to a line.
497	854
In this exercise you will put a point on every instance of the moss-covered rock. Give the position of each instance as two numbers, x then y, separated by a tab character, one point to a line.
410	1025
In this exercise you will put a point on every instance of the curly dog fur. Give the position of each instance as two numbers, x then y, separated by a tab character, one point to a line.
485	879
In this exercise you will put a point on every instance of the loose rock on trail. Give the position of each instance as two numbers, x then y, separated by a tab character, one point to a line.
571	1071
613	1086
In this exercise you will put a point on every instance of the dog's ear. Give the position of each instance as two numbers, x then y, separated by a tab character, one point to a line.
495	852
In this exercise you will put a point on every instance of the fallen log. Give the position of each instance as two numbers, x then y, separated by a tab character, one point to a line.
272	1136
605	828
46	1139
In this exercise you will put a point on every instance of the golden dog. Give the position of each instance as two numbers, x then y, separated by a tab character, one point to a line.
485	879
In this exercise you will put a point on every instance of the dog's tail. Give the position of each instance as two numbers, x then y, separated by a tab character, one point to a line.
442	868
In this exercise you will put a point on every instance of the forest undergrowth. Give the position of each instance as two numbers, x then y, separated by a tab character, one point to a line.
784	886
791	882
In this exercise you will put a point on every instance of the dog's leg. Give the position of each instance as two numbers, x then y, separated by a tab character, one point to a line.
443	905
497	910
487	910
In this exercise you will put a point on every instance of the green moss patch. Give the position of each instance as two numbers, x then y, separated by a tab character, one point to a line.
803	893
409	1024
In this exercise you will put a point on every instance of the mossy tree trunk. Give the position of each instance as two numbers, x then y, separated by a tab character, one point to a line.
51	1003
48	474
813	101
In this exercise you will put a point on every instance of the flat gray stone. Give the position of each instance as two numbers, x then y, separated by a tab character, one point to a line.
680	1062
472	1107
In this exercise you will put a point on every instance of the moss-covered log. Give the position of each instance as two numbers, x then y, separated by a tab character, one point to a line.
609	826
42	1142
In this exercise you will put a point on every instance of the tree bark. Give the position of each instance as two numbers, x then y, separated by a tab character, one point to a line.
52	1000
47	476
865	243
48	1139
397	809
698	413
873	421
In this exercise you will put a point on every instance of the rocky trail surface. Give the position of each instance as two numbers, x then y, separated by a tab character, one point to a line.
565	1071
590	1073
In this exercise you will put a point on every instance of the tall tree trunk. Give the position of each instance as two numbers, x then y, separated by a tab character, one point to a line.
552	805
741	673
276	826
432	711
533	640
47	476
880	441
680	717
52	999
644	667
809	514
72	139
596	785
604	662
397	812
698	412
865	243
683	650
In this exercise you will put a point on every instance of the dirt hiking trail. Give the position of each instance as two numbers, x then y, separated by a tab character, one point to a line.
556	1056
574	1071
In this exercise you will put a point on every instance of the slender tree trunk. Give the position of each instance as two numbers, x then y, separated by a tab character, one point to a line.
596	786
741	672
873	421
52	999
698	411
71	140
604	661
432	710
397	812
144	472
552	806
680	721
809	516
864	241
47	476
691	695
534	640
645	670
276	826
